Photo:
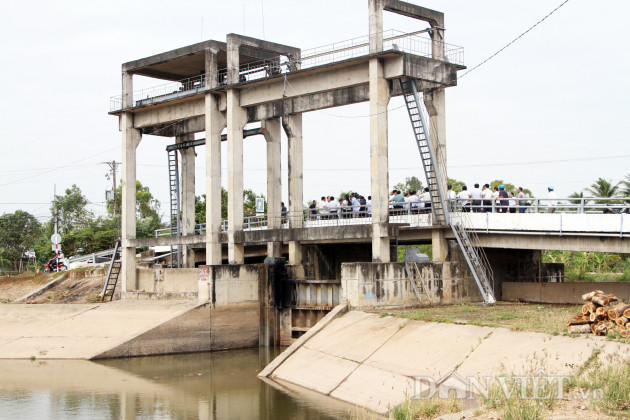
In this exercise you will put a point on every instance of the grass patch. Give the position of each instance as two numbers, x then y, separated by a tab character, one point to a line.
550	319
608	387
94	297
425	409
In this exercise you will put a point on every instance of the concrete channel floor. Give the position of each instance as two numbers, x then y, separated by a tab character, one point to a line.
372	362
69	331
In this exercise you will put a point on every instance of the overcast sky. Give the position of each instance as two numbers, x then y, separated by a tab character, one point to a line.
552	109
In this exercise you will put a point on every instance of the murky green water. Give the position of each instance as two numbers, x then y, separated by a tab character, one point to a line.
219	385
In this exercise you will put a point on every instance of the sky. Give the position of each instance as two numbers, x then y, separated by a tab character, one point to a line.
551	109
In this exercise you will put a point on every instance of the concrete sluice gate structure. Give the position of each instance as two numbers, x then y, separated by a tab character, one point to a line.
218	87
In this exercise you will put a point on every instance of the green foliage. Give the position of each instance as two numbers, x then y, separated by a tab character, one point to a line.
71	210
457	185
425	249
249	205
18	234
612	383
146	204
603	188
410	184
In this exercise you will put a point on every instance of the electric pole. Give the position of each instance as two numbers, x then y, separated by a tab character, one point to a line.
112	170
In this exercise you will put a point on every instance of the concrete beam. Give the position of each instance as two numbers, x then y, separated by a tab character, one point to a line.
293	128
272	132
187	197
130	141
379	166
215	121
235	123
341	84
433	17
567	242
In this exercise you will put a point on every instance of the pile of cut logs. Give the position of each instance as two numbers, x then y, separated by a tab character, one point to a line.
599	315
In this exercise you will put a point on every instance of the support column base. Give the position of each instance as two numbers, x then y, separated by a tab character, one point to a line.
296	253
439	244
274	249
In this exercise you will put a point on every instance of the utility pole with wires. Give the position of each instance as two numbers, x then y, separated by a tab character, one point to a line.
112	175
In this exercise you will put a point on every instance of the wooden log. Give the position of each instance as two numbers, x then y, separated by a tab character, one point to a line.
594	317
626	313
602	310
590	308
579	322
580	329
625	333
600	328
609	324
617	311
621	321
600	300
588	296
586	308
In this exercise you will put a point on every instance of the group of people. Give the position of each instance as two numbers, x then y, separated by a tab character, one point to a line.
483	199
478	199
352	205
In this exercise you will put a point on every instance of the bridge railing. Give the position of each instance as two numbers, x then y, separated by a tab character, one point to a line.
416	214
580	205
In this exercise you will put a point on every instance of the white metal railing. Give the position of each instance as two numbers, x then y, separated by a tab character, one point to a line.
417	43
585	205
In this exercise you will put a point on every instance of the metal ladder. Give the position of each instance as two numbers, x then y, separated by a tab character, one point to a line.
112	274
175	219
413	282
475	257
427	154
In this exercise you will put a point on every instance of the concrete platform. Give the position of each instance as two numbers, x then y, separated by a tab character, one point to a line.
373	362
113	329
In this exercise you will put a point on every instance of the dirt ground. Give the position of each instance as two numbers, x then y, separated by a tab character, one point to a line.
78	286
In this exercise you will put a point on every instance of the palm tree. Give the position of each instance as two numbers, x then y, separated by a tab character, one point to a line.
625	190
603	189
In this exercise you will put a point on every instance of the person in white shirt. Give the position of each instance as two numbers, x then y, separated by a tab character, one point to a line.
414	200
475	195
368	205
486	195
356	205
321	208
464	199
425	199
452	196
553	200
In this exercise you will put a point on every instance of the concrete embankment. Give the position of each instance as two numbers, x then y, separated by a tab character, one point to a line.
115	329
372	362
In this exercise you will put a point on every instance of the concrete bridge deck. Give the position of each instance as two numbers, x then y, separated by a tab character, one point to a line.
563	231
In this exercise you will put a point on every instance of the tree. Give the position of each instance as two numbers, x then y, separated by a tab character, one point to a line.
625	186
603	189
71	210
457	185
411	184
18	233
146	204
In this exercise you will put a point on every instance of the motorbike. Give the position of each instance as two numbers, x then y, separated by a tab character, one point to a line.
51	265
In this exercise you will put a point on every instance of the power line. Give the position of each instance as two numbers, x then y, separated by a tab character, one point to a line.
514	40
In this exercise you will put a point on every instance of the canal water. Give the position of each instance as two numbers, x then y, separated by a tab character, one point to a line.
218	385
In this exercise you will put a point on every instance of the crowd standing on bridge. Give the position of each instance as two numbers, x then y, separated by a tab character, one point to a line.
478	199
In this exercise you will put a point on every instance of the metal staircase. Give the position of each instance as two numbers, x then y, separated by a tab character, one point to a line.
175	215
427	154
112	274
475	257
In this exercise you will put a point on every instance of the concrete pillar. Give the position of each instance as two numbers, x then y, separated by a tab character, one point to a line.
379	170
215	122
293	128
272	133
236	119
439	244
437	43
435	102
130	139
376	25
188	198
